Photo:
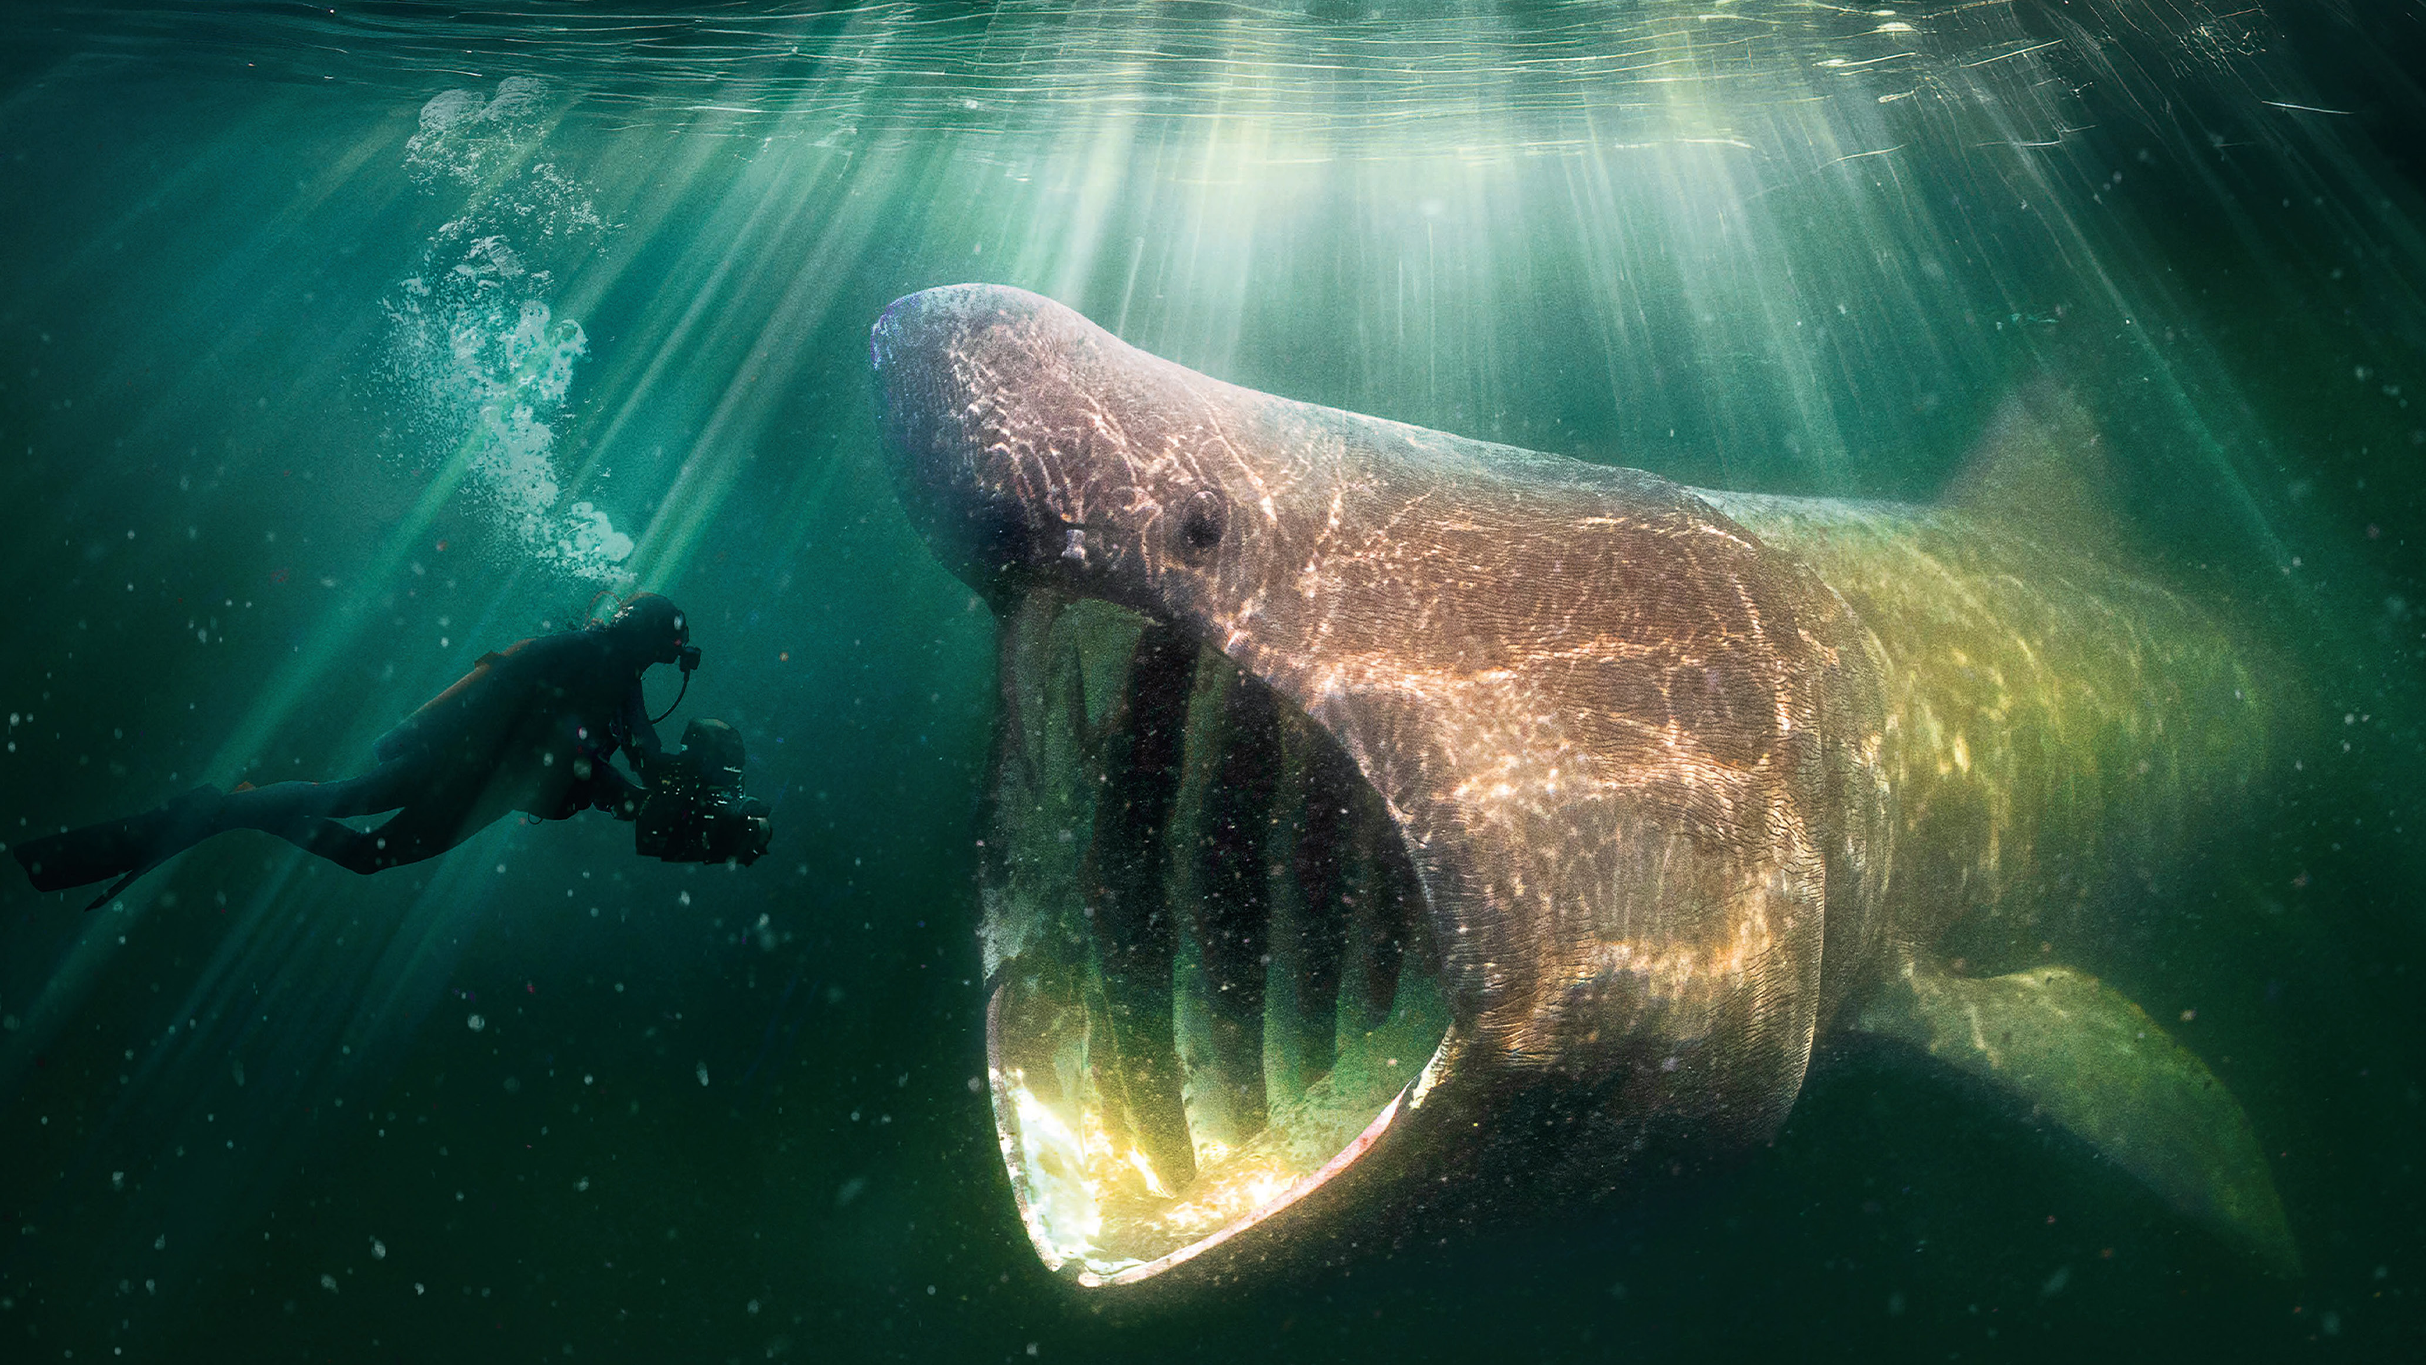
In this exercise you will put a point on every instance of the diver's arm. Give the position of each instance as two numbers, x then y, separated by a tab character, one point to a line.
609	790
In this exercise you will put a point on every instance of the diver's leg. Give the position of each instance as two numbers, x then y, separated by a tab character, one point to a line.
423	829
73	857
128	848
299	812
283	806
436	810
305	813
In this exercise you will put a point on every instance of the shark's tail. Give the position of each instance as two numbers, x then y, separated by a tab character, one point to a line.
124	849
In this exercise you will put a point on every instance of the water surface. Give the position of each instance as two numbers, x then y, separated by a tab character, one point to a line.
341	343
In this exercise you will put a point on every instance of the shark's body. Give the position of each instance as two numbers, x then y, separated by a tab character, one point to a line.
1390	821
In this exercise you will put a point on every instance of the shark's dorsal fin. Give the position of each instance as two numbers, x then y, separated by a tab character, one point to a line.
2041	463
2076	1051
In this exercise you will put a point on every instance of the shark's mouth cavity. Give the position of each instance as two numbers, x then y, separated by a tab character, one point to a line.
1211	982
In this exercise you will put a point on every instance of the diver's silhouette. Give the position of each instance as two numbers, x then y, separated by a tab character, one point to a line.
530	728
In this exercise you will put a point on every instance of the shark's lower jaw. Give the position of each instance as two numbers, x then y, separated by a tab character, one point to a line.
1211	983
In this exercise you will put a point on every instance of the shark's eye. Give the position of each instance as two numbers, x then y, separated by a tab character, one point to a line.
1200	527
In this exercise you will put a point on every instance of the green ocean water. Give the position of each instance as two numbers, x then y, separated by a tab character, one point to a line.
339	344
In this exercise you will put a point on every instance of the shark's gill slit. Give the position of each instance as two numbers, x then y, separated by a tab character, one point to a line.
1137	1073
1234	733
1203	941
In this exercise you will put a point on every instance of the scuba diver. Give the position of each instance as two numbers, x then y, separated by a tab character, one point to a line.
531	728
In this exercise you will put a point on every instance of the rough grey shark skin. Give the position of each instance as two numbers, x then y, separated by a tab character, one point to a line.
1684	779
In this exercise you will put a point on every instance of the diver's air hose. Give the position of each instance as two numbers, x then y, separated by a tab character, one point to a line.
678	696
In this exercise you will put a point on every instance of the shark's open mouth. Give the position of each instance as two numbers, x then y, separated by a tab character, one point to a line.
1211	977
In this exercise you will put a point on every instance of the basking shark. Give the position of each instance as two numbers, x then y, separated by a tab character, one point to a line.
1388	829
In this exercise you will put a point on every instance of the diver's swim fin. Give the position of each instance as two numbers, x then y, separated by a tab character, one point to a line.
125	849
73	857
121	884
2081	1054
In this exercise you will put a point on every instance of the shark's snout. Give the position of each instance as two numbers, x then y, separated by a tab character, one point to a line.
1034	449
935	396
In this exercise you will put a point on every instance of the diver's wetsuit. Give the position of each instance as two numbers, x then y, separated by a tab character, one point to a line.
532	728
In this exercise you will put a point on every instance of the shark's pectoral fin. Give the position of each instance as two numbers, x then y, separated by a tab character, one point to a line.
2084	1056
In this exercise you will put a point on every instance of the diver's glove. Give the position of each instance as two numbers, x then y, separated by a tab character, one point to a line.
645	761
608	789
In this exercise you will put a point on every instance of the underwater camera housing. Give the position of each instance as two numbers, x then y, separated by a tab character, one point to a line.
695	812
